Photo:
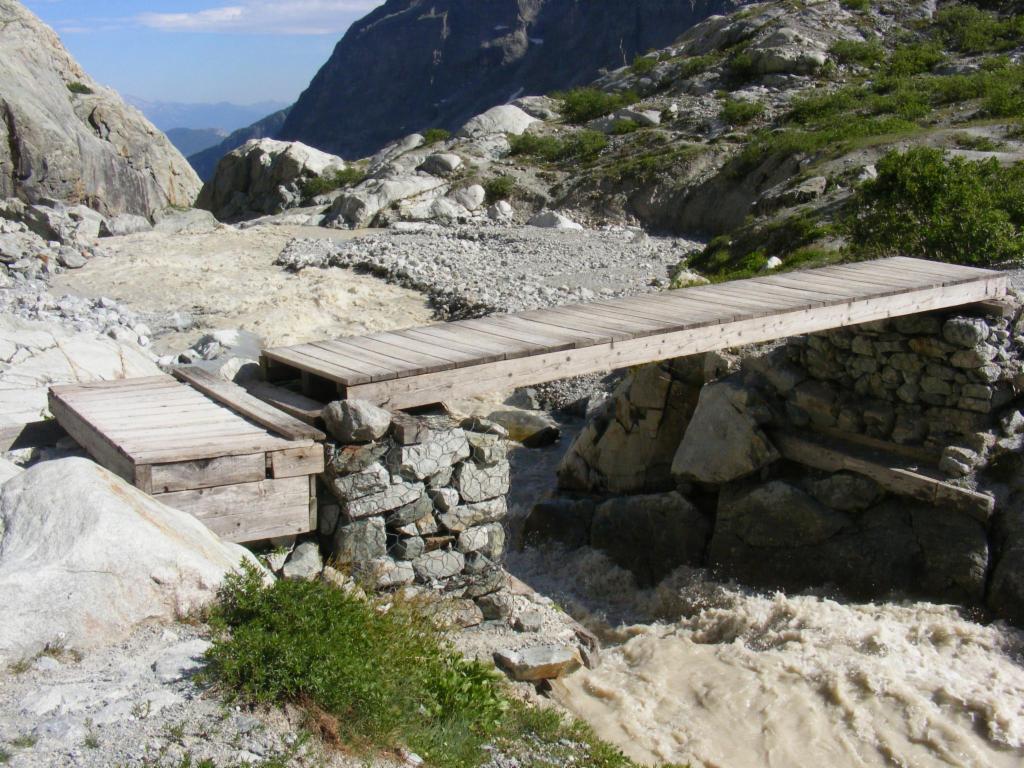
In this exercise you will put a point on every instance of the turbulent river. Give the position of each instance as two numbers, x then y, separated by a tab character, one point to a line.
717	676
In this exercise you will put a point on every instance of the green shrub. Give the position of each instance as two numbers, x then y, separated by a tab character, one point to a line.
741	67
499	188
738	112
977	143
624	126
582	105
643	65
321	185
856	5
695	65
922	204
377	676
914	59
582	145
436	135
968	29
80	88
867	54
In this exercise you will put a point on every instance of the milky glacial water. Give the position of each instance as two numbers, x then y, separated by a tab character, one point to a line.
719	676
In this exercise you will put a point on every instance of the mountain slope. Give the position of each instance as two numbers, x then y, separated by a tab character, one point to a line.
62	135
192	140
411	65
205	161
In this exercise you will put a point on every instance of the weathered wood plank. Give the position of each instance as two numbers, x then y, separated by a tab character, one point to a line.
307	460
299	406
884	469
507	374
207	473
100	447
248	511
240	401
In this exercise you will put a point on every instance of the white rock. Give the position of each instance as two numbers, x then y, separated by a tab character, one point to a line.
180	661
773	263
85	557
470	198
501	119
359	206
553	220
8	470
500	211
441	164
538	663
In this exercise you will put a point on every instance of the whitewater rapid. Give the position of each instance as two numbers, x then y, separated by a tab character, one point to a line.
721	677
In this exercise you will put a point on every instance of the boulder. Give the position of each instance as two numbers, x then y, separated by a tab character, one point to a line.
264	176
479	483
439	564
8	470
500	211
462	516
553	220
356	421
723	441
442	450
359	541
66	137
471	197
85	557
359	206
124	224
502	119
304	563
441	164
650	535
538	663
188	222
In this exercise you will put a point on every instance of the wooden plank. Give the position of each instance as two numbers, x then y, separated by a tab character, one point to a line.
913	453
314	506
385	366
248	511
207	473
413	360
525	332
508	374
308	460
294	404
305	357
209	449
534	323
240	401
123	385
35	434
479	353
100	447
374	366
835	456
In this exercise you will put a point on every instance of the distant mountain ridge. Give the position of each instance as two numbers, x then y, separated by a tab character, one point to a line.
222	115
411	65
192	140
205	161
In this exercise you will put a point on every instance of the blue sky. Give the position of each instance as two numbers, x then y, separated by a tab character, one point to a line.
241	51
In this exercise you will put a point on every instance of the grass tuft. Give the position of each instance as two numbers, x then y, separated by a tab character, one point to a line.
321	185
80	88
581	105
436	136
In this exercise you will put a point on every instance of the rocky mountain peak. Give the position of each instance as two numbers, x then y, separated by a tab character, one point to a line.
64	136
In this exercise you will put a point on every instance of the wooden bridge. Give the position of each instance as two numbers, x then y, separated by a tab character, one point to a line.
432	364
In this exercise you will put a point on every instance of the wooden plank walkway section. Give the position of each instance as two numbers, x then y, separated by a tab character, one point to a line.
402	369
245	469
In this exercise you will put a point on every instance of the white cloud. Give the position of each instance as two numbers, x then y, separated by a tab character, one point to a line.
290	17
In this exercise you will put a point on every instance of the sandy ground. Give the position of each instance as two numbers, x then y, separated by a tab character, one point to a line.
227	279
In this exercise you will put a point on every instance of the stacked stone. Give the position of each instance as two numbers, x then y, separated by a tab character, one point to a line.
917	380
419	499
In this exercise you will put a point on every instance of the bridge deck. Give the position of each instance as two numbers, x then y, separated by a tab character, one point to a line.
419	366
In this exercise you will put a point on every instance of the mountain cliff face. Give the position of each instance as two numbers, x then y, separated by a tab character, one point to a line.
416	64
64	136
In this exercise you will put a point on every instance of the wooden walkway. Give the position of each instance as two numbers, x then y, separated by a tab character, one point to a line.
206	447
420	366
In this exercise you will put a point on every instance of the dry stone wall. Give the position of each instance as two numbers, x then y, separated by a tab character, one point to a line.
416	500
679	466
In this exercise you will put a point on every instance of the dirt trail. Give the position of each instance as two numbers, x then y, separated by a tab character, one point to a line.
227	279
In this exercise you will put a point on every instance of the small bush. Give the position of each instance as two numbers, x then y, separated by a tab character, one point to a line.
968	29
741	67
436	135
79	88
321	185
695	65
376	677
583	145
582	105
622	127
977	143
866	54
914	59
856	5
738	112
922	204
643	65
499	188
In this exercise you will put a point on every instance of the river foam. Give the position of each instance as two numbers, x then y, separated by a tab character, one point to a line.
739	679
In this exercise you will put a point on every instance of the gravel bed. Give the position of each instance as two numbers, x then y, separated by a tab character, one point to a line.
471	272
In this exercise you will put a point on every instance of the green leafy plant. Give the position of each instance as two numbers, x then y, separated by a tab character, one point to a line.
582	105
436	135
864	53
374	675
581	145
321	185
79	88
856	5
624	126
643	65
739	112
968	29
499	188
923	204
5	756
